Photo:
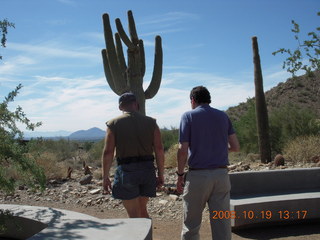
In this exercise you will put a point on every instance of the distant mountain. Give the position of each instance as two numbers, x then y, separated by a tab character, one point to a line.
301	91
90	134
53	134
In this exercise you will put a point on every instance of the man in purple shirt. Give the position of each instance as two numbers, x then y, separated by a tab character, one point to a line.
206	136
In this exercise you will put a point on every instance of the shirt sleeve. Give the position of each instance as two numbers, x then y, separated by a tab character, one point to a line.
185	129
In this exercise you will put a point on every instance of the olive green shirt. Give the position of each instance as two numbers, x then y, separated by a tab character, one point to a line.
134	134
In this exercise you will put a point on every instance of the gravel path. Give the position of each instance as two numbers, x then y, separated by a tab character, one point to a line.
165	209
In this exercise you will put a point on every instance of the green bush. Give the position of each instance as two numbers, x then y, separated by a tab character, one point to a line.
246	129
285	124
63	149
289	122
169	137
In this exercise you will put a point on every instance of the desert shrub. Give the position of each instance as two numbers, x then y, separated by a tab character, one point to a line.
169	137
51	167
285	124
246	129
95	153
171	156
289	122
302	149
62	148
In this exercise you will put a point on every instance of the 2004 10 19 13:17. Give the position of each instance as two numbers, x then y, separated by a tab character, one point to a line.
264	214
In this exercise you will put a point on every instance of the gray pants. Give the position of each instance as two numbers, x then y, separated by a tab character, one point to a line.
201	187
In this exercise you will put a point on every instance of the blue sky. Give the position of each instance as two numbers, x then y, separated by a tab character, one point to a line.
54	52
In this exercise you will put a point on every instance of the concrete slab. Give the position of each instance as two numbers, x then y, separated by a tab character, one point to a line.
64	224
275	209
266	197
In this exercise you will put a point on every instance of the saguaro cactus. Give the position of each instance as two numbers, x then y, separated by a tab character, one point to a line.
124	77
261	107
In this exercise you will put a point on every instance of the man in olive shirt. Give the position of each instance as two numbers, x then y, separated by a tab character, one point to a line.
134	138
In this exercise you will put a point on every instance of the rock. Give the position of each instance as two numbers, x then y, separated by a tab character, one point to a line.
232	167
173	197
163	202
95	191
85	180
87	169
53	181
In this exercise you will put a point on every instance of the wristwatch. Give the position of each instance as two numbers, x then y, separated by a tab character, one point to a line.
179	174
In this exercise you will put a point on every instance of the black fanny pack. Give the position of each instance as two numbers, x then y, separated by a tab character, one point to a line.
129	160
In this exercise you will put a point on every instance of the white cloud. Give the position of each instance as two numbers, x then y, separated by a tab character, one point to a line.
55	49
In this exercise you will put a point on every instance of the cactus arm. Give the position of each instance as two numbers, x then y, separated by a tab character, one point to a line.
123	35
157	71
107	71
132	29
142	58
120	55
117	77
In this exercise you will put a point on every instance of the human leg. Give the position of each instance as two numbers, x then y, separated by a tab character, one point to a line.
137	207
194	201
220	201
143	201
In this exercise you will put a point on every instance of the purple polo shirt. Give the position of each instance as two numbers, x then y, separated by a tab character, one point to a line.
206	129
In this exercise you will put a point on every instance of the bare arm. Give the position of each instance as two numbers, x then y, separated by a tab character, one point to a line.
234	145
107	158
182	157
159	152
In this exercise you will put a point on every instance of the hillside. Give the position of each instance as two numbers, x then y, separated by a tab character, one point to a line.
301	91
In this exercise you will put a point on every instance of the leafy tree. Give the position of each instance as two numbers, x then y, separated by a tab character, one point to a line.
309	49
15	162
16	165
4	24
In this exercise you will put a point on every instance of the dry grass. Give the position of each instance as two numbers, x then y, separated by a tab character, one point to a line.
171	156
52	168
302	149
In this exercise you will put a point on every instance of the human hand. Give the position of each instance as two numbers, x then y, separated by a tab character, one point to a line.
160	181
106	185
